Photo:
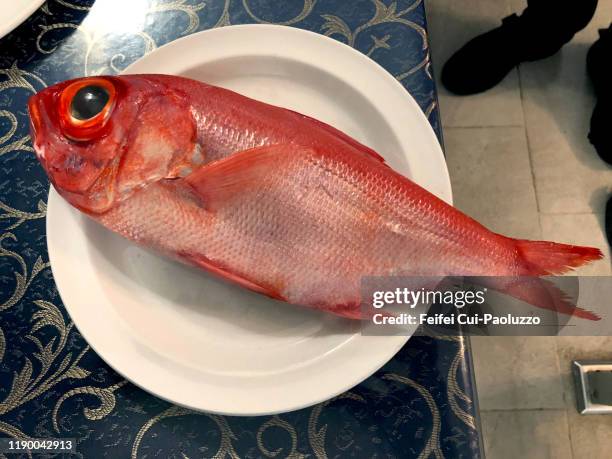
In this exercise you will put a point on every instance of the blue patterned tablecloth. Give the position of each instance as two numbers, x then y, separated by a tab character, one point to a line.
421	404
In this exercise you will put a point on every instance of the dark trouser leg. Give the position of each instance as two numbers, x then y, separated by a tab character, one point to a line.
554	23
600	71
609	220
573	15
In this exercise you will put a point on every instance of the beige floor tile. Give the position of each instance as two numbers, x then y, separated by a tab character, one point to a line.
581	229
591	436
516	372
517	6
491	178
602	19
451	24
526	434
558	102
583	348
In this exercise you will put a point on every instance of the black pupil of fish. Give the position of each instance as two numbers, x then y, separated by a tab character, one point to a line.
88	102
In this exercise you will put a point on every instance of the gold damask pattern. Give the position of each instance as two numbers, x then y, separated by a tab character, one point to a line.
53	385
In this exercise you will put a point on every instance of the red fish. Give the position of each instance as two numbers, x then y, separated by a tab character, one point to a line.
268	198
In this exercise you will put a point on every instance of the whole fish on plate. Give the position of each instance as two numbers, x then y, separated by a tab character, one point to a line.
273	200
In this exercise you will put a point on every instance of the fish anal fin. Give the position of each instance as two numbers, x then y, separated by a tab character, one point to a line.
541	293
227	274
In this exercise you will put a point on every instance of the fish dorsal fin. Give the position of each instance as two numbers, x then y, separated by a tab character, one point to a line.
349	140
219	181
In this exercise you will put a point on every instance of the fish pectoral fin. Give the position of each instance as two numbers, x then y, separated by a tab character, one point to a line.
227	274
217	182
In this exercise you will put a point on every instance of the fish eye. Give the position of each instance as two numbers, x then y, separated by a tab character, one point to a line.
88	102
85	107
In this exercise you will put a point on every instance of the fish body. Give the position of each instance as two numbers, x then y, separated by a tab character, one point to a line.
273	200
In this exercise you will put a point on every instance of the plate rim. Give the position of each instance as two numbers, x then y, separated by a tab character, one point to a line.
399	341
19	19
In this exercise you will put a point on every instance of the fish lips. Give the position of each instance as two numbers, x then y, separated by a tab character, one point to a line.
36	125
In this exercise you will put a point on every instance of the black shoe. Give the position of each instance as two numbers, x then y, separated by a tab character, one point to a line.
485	60
599	69
608	219
598	63
600	135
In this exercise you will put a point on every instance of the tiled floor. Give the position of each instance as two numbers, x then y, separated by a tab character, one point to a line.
520	163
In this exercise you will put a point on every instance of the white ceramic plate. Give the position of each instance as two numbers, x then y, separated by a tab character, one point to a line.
15	12
195	340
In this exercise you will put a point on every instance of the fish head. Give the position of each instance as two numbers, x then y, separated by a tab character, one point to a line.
100	139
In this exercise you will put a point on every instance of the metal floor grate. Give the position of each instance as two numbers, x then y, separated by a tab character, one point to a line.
593	384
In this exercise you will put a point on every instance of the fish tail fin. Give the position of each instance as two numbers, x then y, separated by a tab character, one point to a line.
543	258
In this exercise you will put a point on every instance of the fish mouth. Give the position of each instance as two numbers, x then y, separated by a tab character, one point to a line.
36	124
